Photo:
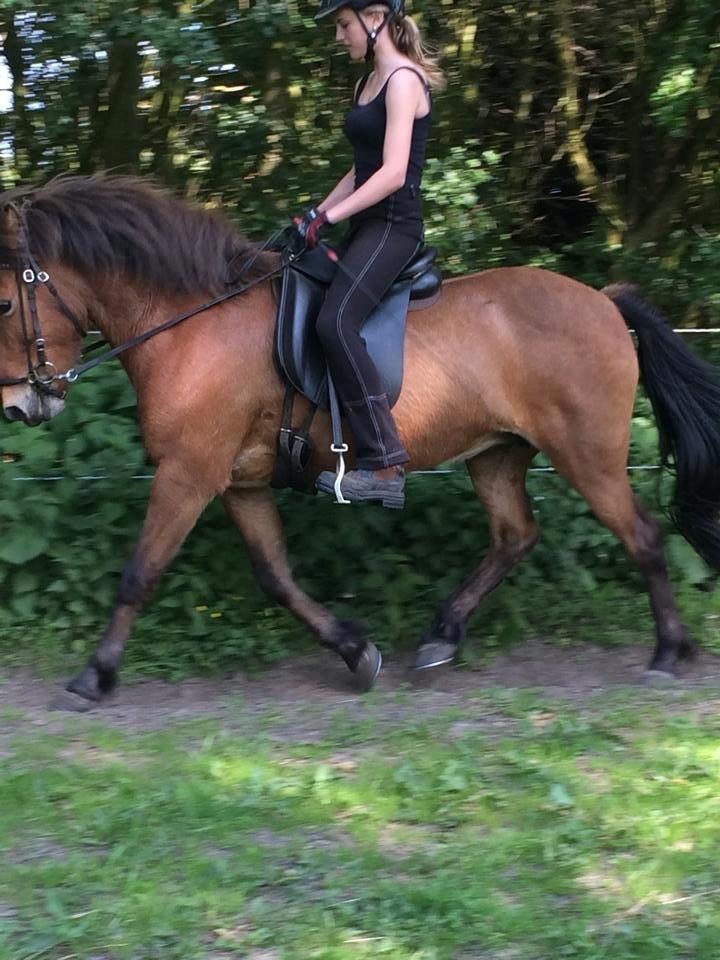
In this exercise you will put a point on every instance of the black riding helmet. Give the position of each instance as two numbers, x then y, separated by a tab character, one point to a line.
396	9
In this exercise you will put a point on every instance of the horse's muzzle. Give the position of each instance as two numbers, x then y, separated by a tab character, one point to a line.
15	414
23	404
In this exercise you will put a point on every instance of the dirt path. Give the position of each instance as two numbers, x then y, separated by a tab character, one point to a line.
301	696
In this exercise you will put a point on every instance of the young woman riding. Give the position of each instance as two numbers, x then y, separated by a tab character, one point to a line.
380	195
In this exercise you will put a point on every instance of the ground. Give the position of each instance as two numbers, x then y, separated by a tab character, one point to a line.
549	803
570	672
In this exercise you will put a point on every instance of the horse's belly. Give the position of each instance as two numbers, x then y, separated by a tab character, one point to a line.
485	442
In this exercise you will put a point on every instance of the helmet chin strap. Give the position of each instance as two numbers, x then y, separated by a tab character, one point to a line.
372	35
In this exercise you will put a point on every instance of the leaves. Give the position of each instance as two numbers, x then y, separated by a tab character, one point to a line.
19	545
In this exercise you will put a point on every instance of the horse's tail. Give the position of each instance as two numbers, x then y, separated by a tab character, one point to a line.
685	395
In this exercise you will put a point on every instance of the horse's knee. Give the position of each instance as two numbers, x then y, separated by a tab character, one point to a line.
136	583
512	543
527	539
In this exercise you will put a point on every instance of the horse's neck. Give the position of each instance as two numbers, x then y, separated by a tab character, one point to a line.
123	312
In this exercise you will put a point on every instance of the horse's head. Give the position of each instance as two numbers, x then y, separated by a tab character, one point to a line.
40	327
96	251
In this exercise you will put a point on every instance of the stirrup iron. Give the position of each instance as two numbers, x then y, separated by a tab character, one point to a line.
339	450
338	445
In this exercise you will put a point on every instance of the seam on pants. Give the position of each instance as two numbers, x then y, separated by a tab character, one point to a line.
341	338
348	354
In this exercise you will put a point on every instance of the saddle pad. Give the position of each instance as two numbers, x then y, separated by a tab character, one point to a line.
297	348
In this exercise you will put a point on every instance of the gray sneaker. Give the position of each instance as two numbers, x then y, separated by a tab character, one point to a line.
362	486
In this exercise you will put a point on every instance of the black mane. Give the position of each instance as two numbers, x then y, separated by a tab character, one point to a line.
119	224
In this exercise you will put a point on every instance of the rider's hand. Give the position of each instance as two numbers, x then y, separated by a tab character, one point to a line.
310	226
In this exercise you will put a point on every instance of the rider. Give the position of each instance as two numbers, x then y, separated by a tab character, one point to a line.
388	129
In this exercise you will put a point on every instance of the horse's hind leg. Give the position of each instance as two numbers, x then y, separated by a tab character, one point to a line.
256	516
608	492
498	476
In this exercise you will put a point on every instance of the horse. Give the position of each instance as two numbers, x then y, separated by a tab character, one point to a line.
508	363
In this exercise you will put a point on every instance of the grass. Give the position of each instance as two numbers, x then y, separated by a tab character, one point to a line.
586	833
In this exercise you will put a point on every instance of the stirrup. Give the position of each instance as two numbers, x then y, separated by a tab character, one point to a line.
339	449
338	445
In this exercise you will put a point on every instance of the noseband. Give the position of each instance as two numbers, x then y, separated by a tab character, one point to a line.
42	373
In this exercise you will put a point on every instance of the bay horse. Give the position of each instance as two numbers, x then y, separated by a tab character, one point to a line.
509	362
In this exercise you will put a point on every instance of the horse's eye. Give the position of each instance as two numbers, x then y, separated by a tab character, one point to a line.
6	308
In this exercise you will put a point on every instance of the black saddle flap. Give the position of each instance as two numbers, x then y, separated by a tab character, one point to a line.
297	348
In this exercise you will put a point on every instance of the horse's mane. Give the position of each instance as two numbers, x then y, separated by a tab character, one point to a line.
128	225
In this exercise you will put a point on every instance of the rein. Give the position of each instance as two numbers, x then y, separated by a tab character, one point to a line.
43	374
73	373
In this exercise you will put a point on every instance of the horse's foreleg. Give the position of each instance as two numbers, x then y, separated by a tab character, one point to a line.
498	476
176	502
256	516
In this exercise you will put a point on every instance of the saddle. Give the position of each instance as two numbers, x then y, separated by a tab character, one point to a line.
300	293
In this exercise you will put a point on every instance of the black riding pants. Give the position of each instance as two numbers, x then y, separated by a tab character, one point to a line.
373	254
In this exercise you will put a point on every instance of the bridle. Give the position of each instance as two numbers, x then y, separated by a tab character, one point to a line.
41	373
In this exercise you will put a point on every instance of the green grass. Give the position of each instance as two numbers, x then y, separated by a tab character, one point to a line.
588	833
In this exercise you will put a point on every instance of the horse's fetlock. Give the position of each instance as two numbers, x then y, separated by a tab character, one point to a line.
454	630
348	638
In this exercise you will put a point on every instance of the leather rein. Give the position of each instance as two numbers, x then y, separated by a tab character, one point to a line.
42	374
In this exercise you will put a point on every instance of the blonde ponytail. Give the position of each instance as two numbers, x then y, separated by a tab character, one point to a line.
408	39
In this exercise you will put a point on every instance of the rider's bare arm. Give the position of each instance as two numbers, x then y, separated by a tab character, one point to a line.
340	191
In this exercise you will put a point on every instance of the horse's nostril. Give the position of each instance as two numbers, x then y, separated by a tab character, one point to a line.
14	413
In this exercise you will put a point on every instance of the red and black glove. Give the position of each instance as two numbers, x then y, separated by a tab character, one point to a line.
310	227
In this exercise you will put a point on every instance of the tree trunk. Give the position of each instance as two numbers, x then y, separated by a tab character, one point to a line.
604	195
120	146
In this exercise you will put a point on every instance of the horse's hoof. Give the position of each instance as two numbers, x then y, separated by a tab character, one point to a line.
660	679
71	702
368	667
93	683
434	655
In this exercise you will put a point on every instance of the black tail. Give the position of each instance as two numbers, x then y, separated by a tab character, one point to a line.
685	395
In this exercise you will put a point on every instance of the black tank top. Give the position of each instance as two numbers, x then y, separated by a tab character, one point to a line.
365	129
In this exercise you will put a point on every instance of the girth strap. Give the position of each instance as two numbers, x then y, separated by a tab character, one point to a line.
295	449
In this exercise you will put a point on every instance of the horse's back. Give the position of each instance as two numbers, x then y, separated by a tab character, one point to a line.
521	350
532	299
